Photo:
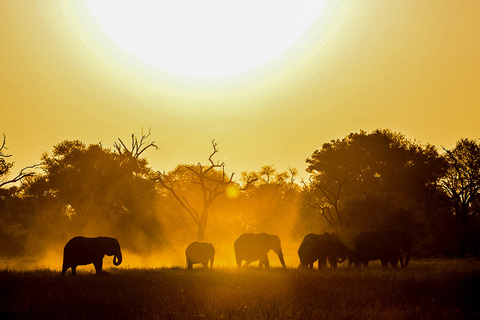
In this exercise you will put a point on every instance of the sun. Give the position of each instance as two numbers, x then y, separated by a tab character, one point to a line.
205	38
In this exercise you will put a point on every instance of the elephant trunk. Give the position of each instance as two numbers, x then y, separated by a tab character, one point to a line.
280	256
117	259
340	260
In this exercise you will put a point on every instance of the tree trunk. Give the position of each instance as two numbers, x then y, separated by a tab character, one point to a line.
462	230
201	232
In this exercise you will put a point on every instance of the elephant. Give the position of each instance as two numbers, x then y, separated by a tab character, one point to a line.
83	251
255	246
323	247
388	246
200	252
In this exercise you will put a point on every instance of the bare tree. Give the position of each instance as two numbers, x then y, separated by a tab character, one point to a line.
138	146
212	181
6	166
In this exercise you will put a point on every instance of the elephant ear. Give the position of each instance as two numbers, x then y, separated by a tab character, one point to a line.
275	242
114	246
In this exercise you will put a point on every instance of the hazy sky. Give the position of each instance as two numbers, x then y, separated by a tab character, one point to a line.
412	66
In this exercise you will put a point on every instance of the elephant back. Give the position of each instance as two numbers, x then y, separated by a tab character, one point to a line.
199	251
373	245
252	245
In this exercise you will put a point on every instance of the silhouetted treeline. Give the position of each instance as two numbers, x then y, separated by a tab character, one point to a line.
365	181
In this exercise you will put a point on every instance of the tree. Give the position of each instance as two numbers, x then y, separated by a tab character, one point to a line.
371	180
211	181
461	184
270	203
83	189
102	190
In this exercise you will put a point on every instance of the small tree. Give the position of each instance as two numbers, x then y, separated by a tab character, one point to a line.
212	181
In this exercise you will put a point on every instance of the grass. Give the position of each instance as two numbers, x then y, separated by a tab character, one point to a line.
427	289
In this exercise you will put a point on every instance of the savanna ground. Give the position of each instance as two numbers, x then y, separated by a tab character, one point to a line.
427	289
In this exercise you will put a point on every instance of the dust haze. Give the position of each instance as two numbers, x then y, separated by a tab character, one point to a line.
161	242
365	181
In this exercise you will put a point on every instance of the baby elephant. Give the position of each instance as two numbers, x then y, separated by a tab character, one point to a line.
200	252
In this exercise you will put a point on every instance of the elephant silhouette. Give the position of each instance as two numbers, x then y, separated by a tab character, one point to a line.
255	246
323	247
200	252
83	251
388	246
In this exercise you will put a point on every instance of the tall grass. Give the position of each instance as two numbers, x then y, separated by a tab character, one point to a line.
430	289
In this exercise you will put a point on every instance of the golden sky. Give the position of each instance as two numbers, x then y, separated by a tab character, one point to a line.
412	66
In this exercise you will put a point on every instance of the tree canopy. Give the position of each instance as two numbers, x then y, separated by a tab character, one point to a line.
461	184
375	180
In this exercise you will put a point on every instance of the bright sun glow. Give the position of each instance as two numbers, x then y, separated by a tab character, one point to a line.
205	38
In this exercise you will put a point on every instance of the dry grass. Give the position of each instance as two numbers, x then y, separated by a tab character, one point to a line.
428	289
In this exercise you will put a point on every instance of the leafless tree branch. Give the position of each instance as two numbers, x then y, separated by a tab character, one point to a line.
21	175
137	146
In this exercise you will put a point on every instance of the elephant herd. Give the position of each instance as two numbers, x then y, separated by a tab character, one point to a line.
387	246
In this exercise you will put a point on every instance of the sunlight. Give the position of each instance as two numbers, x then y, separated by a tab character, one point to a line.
205	39
232	191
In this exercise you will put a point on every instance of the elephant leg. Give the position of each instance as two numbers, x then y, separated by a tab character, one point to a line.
266	263
394	262
64	269
263	261
74	270
247	263
205	264
189	265
239	262
322	263
98	266
333	262
401	261
384	263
